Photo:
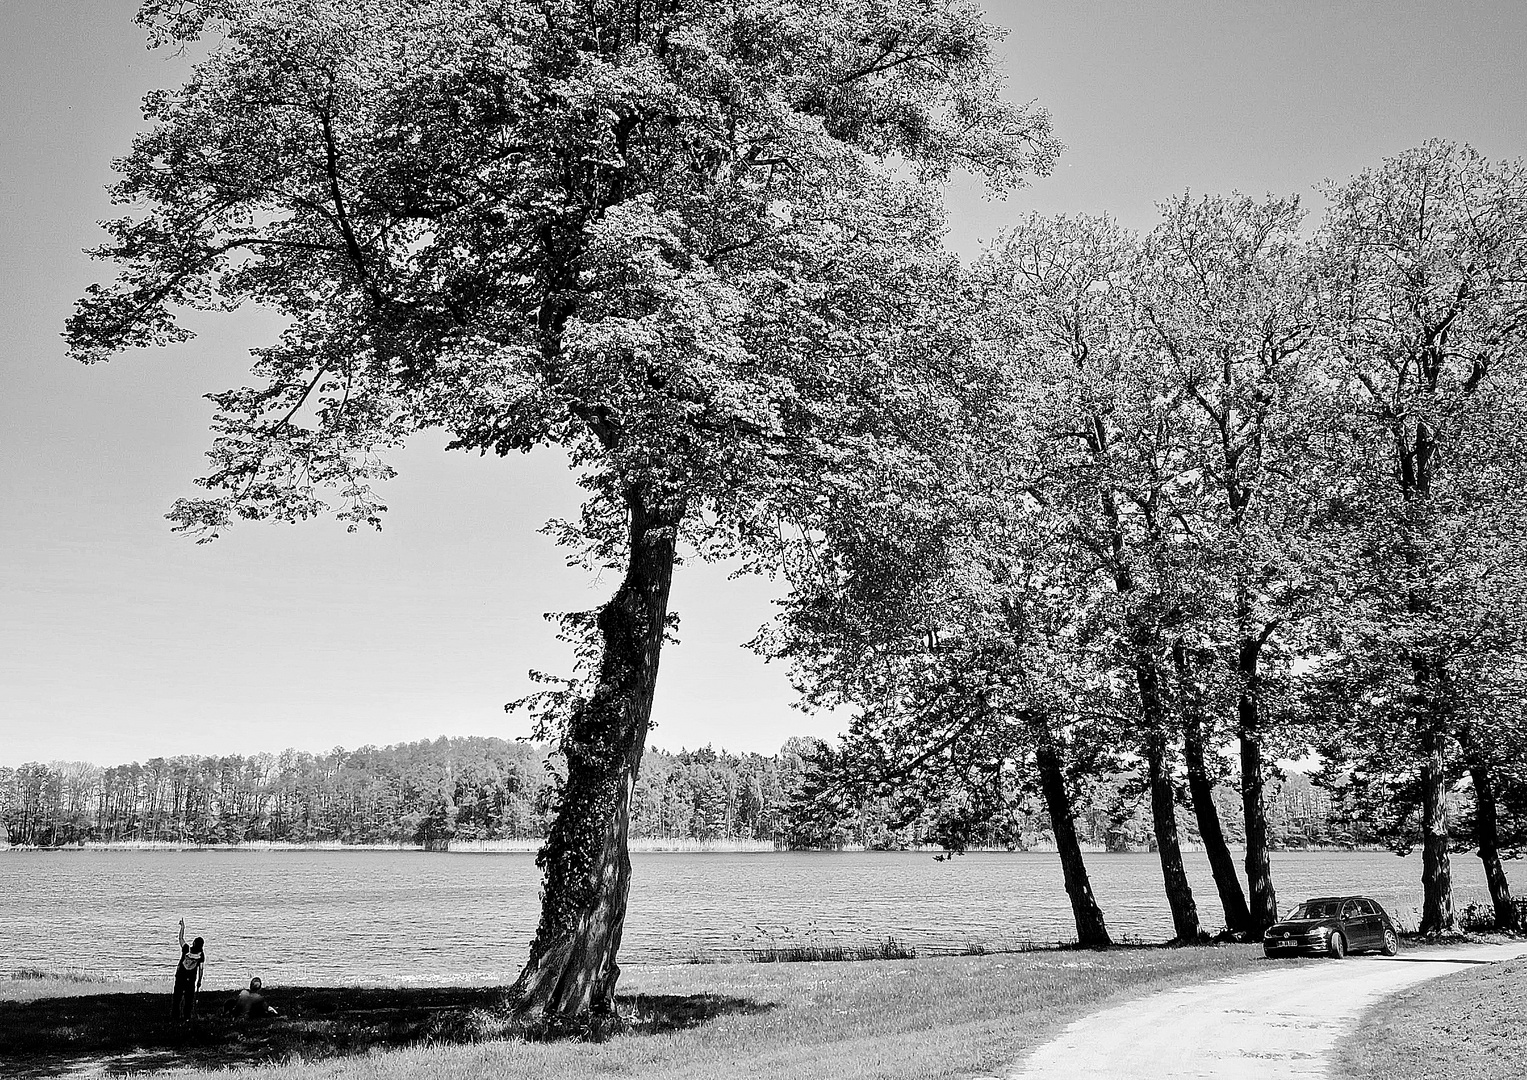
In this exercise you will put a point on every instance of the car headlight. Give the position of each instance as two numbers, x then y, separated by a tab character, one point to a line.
1318	932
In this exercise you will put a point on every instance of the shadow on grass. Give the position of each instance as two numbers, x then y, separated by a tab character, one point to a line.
123	1033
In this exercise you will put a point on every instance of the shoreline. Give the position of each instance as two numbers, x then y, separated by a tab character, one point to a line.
639	846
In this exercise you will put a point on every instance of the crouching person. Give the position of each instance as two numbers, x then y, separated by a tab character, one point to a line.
252	1002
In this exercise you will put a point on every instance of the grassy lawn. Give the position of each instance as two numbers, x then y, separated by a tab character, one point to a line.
937	1017
1466	1026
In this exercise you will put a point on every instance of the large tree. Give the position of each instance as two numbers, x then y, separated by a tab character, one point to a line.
1228	304
933	611
1062	310
1423	275
684	241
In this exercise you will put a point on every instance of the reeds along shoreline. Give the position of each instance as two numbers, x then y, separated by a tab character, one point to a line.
638	845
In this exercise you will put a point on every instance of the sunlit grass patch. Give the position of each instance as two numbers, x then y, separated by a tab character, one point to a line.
32	984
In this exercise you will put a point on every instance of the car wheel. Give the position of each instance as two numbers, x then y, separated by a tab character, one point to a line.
1391	943
1337	947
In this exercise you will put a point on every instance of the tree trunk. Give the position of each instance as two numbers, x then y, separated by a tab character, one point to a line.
1263	909
1226	880
1416	461
1179	896
1485	836
1436	872
571	974
1090	929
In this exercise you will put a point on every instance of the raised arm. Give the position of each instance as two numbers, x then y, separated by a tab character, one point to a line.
182	933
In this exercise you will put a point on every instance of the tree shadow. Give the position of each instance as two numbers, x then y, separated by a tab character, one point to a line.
122	1033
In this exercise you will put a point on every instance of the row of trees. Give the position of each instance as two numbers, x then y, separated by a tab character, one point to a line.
467	789
1220	483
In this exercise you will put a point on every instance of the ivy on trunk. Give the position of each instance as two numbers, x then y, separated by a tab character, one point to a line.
572	970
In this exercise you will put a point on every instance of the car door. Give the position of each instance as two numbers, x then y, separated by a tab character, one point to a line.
1354	924
1374	923
1368	919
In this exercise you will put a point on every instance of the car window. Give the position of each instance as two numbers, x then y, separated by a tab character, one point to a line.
1349	910
1365	907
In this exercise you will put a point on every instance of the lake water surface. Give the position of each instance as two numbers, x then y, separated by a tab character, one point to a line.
329	917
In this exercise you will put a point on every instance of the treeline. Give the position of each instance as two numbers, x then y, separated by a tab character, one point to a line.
467	789
427	792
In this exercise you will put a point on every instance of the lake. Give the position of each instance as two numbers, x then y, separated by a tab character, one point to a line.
406	917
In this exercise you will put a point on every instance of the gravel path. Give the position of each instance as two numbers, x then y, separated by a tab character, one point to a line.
1279	1023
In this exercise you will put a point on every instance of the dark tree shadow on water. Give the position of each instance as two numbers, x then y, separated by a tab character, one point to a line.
121	1033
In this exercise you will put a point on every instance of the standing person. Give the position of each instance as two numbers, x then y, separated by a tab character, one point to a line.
187	975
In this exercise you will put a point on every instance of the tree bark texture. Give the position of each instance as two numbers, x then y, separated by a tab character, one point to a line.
1417	455
1090	928
1179	896
1263	908
1437	913
571	974
1486	837
1201	788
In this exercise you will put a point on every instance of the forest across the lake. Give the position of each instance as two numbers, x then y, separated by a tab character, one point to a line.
462	790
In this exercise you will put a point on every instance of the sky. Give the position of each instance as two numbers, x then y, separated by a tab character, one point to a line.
121	641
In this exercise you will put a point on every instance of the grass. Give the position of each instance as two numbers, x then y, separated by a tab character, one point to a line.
1466	1026
937	1017
34	984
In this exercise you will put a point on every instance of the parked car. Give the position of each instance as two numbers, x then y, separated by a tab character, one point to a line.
1333	926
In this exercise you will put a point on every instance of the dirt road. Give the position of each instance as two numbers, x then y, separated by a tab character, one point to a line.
1277	1024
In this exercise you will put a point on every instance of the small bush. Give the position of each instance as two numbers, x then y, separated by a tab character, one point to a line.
1476	918
1479	918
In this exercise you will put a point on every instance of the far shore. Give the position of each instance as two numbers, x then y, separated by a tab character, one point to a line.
639	846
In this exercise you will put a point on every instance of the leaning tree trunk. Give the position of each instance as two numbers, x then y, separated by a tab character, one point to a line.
1487	837
1201	787
1179	896
571	974
1436	871
1263	909
1090	929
